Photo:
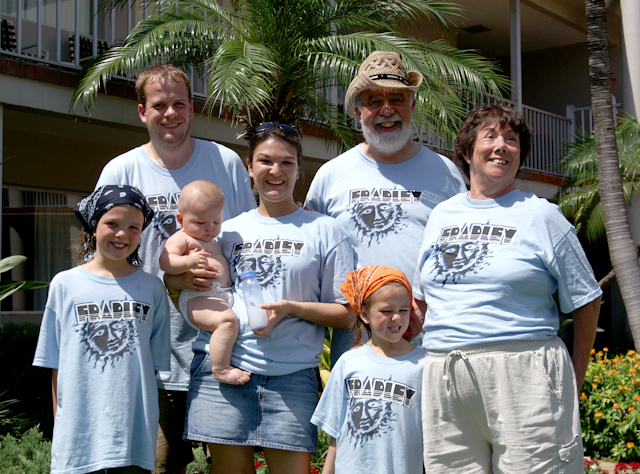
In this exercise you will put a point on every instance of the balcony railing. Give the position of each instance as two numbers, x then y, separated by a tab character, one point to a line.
551	132
582	118
68	32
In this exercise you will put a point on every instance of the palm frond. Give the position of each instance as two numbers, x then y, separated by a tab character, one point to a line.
275	59
579	198
241	78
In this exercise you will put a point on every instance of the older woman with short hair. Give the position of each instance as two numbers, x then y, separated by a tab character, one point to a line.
499	389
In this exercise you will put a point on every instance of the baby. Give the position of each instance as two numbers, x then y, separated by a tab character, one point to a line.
200	212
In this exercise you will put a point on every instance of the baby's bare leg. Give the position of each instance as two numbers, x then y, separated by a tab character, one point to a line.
215	315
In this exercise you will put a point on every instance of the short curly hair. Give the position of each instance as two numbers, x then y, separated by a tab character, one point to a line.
485	115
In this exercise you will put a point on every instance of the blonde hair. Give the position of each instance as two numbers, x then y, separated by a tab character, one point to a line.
202	190
155	74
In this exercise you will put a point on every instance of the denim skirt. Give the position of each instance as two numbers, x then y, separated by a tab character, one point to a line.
267	411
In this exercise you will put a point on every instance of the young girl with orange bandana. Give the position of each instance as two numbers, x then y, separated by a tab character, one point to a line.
371	404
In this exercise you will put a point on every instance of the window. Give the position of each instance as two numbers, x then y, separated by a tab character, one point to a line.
42	227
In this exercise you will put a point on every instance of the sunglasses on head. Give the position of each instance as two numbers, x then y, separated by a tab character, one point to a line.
269	125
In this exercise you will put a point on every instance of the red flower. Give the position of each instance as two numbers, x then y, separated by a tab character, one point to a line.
258	464
634	465
314	471
620	467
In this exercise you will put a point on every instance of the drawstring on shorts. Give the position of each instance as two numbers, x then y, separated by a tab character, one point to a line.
447	363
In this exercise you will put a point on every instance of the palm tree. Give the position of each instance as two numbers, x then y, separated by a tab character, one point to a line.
614	210
274	60
7	288
579	197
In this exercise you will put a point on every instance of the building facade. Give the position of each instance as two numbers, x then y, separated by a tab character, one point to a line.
51	156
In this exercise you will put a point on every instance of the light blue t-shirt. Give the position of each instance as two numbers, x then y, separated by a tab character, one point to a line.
161	188
488	270
106	337
303	256
371	406
384	208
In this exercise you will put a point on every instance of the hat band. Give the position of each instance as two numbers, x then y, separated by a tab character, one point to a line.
393	77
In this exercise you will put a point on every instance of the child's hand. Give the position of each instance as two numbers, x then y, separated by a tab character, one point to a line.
198	259
275	313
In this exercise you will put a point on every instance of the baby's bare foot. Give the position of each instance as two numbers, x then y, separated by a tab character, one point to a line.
231	375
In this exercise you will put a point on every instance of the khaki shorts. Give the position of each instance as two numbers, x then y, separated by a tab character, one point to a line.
505	409
172	452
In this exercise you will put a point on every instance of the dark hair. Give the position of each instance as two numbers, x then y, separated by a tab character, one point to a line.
276	132
85	247
155	73
484	115
358	325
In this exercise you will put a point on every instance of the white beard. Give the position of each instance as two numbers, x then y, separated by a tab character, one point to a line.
387	142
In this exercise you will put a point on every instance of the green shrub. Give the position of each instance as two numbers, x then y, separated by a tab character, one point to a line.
10	422
199	465
610	406
31	386
27	455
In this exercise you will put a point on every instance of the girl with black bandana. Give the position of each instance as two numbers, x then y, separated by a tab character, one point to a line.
104	332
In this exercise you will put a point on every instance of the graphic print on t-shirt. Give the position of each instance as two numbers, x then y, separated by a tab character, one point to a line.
264	258
164	223
378	212
462	250
371	407
107	329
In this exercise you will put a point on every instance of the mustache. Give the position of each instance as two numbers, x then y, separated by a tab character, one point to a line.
387	118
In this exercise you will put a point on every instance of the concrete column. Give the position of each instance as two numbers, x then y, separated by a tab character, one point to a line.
634	218
630	10
1	159
516	55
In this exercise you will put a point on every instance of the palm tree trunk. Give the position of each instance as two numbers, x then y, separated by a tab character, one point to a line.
614	208
610	277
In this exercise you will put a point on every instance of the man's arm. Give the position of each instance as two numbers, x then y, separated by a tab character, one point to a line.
585	323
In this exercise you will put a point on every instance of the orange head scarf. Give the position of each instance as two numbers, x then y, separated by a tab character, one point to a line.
365	281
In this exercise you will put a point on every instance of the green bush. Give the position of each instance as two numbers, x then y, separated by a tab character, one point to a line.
27	455
199	465
610	406
10	422
31	386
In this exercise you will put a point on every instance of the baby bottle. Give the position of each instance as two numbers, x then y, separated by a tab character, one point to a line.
252	293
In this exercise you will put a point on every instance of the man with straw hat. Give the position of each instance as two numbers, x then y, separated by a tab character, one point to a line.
383	190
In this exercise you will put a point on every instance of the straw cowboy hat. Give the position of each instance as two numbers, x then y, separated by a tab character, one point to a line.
381	70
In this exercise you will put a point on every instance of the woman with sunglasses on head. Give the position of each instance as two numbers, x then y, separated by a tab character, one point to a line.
300	258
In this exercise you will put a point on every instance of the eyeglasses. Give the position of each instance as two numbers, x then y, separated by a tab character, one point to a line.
270	125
